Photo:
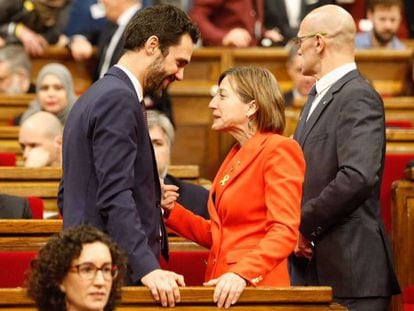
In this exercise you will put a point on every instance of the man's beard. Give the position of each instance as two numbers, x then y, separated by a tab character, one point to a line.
154	84
383	39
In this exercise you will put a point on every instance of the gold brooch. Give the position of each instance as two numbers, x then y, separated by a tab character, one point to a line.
224	180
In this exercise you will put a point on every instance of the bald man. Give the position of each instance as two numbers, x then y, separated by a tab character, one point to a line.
41	139
343	242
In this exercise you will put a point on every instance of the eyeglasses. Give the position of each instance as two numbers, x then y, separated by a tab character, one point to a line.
88	271
298	40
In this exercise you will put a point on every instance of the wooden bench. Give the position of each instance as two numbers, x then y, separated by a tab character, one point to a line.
397	108
402	233
21	239
195	142
32	234
81	71
12	106
44	182
200	299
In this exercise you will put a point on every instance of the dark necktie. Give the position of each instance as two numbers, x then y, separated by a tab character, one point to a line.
164	239
304	115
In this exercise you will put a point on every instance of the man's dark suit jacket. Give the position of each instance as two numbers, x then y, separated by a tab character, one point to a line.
344	147
192	197
12	207
276	15
110	178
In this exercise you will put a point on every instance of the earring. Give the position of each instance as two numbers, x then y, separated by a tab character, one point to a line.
250	125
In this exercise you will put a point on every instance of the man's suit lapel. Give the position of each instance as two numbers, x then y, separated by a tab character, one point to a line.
325	101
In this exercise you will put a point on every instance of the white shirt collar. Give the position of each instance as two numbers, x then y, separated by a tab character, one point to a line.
127	14
134	81
326	81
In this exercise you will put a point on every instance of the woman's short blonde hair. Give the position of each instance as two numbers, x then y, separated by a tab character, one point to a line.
260	85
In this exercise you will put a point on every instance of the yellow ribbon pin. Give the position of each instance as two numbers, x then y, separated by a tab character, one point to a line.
224	180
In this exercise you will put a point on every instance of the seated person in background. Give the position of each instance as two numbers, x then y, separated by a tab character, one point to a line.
13	207
385	16
161	131
33	23
15	70
85	17
255	198
284	16
78	269
54	93
41	139
237	23
301	84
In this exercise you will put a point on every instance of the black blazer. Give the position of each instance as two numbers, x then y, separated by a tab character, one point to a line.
192	197
344	148
276	15
12	207
110	178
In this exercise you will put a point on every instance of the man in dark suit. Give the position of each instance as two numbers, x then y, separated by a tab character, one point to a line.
341	130
110	178
12	207
284	16
111	43
161	131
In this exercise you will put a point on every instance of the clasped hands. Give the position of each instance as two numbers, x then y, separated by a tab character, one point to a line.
303	248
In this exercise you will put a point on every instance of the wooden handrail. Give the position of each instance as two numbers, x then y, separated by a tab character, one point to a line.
201	298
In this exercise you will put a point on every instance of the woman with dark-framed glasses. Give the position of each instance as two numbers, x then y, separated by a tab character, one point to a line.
78	269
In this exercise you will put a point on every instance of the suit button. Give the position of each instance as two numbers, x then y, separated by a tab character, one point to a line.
158	239
214	261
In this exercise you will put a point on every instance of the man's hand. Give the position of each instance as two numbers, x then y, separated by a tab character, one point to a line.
80	48
169	196
237	37
274	35
303	248
37	157
164	286
228	289
33	43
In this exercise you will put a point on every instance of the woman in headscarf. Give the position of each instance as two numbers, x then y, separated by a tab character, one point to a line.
54	92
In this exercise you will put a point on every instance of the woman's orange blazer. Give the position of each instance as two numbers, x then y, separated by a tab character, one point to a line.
254	206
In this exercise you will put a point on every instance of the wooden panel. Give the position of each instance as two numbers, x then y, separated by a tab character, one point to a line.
403	232
44	182
81	71
386	69
273	59
200	299
32	234
12	106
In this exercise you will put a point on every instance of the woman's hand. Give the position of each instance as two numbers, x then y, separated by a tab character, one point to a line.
169	196
228	289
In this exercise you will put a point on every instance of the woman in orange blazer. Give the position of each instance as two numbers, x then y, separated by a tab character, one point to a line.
254	203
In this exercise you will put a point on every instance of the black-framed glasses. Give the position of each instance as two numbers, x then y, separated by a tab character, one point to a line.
88	271
298	40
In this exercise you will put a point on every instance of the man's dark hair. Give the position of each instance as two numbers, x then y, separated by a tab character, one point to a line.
167	22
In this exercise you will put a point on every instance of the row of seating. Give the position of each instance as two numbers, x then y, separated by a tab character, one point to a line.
44	182
200	299
208	62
